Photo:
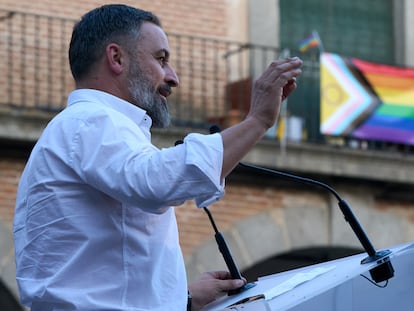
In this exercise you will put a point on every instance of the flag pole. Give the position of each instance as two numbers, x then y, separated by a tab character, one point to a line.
320	44
283	114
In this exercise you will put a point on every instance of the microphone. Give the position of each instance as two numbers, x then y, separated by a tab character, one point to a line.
228	258
384	271
225	250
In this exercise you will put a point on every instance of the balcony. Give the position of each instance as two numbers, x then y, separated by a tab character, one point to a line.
216	77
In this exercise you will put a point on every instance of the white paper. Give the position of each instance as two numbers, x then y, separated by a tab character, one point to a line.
294	281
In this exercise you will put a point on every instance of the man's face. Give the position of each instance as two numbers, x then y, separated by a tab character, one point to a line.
150	75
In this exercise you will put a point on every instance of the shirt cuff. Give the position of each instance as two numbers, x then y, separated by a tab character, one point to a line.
206	153
205	201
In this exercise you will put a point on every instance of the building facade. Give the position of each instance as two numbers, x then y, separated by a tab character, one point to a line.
260	215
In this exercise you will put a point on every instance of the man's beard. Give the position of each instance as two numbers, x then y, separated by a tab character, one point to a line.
148	98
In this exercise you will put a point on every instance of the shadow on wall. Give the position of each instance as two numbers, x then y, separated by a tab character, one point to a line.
7	300
297	259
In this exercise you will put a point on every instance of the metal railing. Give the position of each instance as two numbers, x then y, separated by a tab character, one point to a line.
34	61
215	76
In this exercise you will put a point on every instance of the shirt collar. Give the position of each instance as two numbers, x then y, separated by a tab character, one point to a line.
138	115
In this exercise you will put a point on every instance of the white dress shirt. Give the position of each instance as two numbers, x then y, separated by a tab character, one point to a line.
94	227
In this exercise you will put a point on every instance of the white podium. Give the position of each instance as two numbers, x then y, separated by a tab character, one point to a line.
337	285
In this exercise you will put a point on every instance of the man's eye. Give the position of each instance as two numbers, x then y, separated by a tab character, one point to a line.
163	60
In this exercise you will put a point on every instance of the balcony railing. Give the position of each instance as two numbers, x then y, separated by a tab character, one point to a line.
215	76
34	61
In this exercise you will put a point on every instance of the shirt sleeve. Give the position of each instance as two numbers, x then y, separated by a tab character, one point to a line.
206	153
116	157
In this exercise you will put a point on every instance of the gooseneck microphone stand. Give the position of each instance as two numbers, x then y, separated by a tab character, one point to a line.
384	270
228	258
225	251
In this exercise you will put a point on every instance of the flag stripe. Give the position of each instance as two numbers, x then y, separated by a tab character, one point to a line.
390	81
396	96
396	111
384	133
386	70
393	120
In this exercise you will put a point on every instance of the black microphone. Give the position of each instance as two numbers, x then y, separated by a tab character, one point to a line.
224	249
384	271
228	258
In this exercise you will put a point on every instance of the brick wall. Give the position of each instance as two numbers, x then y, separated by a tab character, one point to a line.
10	171
35	41
206	17
241	201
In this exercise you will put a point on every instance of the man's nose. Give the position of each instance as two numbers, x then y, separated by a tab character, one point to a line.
171	77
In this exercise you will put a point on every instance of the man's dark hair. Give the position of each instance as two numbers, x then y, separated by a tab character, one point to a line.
116	23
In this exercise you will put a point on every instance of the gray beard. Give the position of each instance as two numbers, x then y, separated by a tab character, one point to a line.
145	97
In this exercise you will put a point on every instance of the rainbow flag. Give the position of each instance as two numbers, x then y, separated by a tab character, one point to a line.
345	99
309	42
366	101
393	119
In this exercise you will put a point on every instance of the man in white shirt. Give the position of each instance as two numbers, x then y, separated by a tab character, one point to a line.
94	226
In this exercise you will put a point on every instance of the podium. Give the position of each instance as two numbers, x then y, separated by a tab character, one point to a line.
339	285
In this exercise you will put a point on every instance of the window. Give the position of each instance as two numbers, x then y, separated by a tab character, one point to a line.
352	28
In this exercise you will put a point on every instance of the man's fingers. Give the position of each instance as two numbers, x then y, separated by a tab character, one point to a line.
283	69
227	285
274	85
288	88
222	275
279	73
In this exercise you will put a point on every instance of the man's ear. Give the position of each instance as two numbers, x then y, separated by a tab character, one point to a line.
115	57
